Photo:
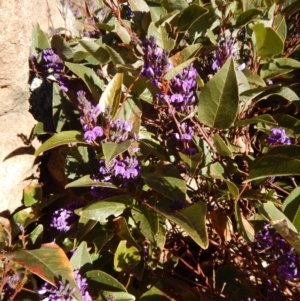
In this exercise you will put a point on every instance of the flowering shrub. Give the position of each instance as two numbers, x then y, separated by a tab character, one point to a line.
169	153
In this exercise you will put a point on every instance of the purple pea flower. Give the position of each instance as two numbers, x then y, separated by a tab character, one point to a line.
278	137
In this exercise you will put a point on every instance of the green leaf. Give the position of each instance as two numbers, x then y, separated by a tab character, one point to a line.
287	233
126	258
279	161
278	66
214	170
174	71
264	118
122	230
96	50
62	48
221	146
185	54
156	12
35	238
39	40
280	26
122	33
191	162
105	281
269	211
111	149
101	210
59	139
87	181
81	259
253	78
117	296
171	5
245	228
115	57
291	208
147	220
138	5
111	96
167	181
33	194
191	219
267	42
49	262
190	15
167	18
218	103
247	16
90	78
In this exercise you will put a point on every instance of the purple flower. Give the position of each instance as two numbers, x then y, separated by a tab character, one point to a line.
90	136
64	292
278	137
52	61
119	130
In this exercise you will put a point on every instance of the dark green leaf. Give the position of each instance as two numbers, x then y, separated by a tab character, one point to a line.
247	16
221	146
111	149
91	79
35	238
59	139
105	281
279	161
218	103
167	181
291	208
191	162
191	219
189	15
171	5
62	48
101	210
267	42
115	57
122	230
117	296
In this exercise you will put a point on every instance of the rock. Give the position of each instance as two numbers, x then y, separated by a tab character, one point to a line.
18	166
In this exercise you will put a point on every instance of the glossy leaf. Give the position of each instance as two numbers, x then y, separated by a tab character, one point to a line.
191	219
221	146
279	161
101	210
81	259
269	211
87	181
218	103
90	78
167	181
126	258
111	96
62	138
267	42
111	149
49	262
105	281
291	208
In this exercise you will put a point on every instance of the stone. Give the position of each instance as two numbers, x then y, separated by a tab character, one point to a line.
18	165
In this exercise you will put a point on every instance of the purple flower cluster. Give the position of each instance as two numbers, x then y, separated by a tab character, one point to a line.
156	61
278	137
283	254
62	219
64	291
89	117
119	130
55	66
187	133
13	279
226	49
128	168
